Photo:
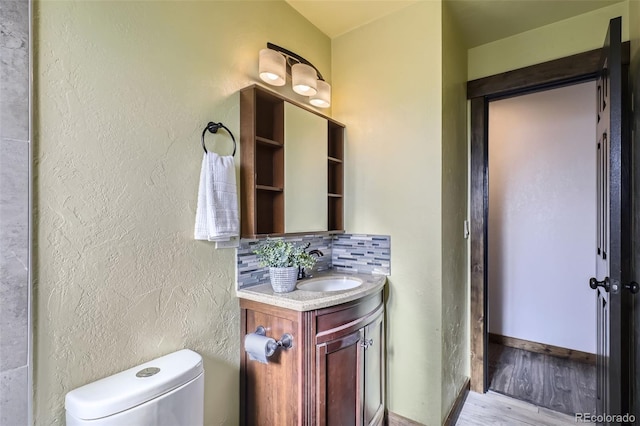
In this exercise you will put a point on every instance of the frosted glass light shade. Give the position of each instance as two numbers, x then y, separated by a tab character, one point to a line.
272	67
304	79
322	99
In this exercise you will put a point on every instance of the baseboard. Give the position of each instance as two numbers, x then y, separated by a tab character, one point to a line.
543	348
454	413
394	419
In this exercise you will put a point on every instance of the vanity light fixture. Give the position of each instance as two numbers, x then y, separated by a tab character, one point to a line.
273	67
276	62
322	99
303	79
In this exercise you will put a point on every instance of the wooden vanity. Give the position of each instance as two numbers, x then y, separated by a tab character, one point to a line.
292	182
333	374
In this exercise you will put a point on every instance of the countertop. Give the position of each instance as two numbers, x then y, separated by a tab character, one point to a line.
300	300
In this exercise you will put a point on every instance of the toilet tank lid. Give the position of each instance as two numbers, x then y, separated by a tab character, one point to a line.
125	390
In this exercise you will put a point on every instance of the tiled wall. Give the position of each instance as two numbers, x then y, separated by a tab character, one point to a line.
364	254
14	212
250	272
346	252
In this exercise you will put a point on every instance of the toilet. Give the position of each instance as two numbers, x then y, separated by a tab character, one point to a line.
167	391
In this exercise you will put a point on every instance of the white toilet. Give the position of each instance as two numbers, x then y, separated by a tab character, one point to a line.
167	391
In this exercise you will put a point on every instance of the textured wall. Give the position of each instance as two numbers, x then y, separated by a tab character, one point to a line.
387	80
557	40
123	91
455	317
634	37
15	298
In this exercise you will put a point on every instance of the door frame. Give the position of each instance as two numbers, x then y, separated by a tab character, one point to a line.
552	74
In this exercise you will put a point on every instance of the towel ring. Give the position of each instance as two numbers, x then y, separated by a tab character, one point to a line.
213	128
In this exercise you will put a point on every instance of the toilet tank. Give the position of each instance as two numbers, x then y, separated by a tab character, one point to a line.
167	391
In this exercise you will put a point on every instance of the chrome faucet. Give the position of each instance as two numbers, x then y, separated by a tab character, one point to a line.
301	272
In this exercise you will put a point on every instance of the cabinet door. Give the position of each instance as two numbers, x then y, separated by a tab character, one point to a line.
339	381
270	392
373	345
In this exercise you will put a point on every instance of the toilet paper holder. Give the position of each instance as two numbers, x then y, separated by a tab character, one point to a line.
286	341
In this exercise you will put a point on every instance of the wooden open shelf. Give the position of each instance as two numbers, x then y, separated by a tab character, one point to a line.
335	184
262	164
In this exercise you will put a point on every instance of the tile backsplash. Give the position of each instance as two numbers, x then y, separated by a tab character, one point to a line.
364	254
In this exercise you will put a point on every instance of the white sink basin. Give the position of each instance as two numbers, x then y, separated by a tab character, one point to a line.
330	284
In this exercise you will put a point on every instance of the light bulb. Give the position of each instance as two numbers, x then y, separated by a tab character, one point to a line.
304	79
272	67
322	99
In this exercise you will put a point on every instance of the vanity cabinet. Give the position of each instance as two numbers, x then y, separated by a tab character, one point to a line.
291	162
333	374
350	376
373	405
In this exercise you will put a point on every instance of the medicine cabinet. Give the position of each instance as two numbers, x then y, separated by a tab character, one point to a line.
291	170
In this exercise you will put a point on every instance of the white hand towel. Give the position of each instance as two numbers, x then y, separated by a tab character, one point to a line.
217	211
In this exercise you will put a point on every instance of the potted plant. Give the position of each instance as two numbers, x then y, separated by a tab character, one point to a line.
284	260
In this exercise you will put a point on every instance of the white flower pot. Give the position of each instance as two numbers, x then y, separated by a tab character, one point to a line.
283	280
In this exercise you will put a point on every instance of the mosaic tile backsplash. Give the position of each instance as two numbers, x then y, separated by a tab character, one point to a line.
365	254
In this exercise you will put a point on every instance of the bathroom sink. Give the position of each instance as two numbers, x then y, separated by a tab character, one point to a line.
330	284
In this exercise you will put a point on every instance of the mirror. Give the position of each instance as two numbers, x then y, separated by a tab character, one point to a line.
305	170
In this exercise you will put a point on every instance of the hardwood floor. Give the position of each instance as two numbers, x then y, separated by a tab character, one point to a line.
558	384
530	389
495	409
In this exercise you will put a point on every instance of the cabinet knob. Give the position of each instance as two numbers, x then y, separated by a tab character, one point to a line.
366	343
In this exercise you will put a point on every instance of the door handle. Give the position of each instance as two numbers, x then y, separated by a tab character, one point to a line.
594	283
366	343
633	287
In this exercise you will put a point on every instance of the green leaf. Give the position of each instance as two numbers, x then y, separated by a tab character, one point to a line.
279	253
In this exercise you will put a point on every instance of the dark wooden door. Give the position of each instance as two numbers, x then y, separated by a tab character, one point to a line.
635	241
601	281
612	281
339	375
374	389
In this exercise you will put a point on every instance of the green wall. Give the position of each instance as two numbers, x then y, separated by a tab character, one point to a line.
634	32
388	90
568	37
122	93
455	293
